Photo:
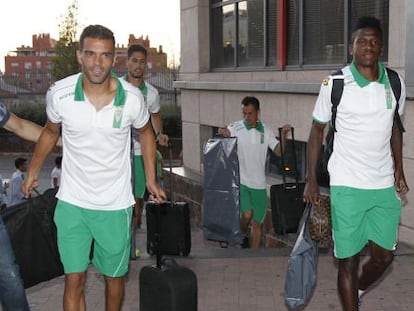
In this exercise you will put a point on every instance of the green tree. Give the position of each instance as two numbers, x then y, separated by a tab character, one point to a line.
65	63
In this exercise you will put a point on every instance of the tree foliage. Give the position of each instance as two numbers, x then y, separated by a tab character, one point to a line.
65	63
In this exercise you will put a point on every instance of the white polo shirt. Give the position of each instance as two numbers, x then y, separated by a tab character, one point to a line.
252	146
362	156
96	172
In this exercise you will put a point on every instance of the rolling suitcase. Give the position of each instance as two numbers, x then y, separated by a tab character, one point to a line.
286	199
167	285
173	220
221	216
175	229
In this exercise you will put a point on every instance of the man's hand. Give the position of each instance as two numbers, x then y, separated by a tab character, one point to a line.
162	139
286	129
157	194
400	183
29	183
224	131
311	193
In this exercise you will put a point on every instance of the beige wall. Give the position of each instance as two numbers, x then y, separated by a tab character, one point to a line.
213	98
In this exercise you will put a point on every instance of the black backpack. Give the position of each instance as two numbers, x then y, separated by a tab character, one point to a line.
336	95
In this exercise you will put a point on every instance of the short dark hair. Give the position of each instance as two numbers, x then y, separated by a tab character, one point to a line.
367	22
251	100
96	32
136	48
19	161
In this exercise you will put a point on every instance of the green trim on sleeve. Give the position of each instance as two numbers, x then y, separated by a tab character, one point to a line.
319	122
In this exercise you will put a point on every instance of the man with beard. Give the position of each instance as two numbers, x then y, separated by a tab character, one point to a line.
96	111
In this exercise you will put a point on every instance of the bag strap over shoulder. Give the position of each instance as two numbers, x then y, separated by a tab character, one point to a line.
395	83
337	90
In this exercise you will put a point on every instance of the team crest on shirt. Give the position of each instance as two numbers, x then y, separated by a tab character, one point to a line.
325	81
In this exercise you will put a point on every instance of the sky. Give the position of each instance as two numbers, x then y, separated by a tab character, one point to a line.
157	19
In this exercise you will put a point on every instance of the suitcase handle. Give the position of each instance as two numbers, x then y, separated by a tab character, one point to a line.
282	157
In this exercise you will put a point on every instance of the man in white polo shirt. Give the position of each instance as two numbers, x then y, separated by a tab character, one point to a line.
365	168
96	110
254	138
137	64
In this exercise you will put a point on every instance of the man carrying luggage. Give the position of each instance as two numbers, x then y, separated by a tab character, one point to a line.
253	140
12	294
137	64
96	110
365	168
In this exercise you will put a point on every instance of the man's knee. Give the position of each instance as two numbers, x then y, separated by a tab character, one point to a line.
247	215
349	265
383	260
76	280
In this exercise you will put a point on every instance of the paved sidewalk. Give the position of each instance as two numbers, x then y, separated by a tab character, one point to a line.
232	279
236	279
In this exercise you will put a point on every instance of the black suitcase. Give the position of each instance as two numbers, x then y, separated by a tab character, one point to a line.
286	199
174	224
166	286
169	287
175	231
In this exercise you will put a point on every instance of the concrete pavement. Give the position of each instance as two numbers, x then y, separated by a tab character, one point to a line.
234	279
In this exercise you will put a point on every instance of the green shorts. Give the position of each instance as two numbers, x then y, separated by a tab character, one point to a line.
253	199
139	177
360	215
110	230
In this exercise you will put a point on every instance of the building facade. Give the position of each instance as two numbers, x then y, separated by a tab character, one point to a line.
279	51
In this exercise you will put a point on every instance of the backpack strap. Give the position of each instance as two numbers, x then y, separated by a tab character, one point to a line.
396	89
337	90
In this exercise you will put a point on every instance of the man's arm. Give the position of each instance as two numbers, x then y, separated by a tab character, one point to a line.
148	145
396	147
311	193
156	122
25	129
44	146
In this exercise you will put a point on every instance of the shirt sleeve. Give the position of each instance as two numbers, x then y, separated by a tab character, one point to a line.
153	102
141	112
4	114
273	141
323	107
401	103
51	108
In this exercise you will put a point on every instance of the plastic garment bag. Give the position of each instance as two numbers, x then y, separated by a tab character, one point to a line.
221	186
301	275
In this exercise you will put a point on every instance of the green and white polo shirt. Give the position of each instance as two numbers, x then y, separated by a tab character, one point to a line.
362	152
152	101
252	146
96	172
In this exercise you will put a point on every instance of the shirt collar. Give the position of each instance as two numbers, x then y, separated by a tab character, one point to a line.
259	126
362	81
120	96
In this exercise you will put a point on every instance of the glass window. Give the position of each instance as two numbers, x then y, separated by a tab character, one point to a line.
244	32
224	36
251	33
323	36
